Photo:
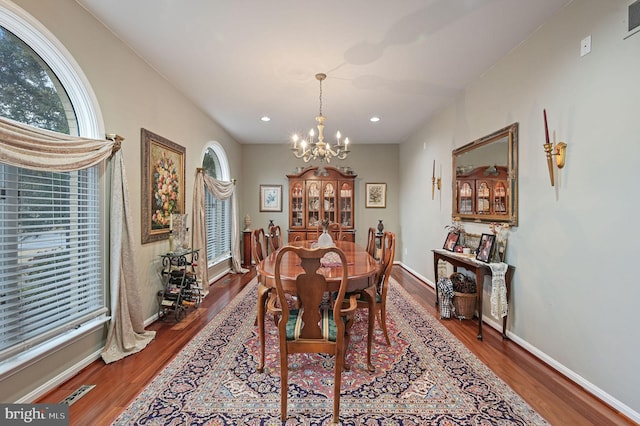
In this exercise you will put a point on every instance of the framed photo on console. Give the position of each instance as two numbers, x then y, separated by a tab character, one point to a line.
451	241
485	247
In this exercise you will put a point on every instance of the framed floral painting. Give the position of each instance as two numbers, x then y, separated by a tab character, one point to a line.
162	185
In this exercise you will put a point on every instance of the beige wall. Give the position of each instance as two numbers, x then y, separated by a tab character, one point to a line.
131	96
573	301
269	164
575	297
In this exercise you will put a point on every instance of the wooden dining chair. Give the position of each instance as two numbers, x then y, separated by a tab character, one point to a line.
275	237
335	230
314	327
386	262
371	242
258	244
388	253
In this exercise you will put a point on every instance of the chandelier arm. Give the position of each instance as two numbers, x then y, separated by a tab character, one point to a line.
298	155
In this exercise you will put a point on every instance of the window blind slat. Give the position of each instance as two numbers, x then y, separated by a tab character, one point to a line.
50	254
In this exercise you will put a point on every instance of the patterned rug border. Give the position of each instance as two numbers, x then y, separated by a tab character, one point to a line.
396	294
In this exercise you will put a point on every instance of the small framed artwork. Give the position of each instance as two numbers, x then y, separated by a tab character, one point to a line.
485	247
451	241
270	198
376	195
162	185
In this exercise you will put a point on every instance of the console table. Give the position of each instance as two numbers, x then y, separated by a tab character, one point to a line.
480	269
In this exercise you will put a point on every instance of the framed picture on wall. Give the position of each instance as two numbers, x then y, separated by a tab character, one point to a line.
485	247
451	241
162	185
376	195
270	198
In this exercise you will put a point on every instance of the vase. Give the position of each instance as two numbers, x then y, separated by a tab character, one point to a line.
325	240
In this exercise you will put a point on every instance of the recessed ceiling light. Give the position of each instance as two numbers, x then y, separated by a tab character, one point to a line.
374	119
265	118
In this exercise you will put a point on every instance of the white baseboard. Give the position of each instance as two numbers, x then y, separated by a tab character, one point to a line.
571	375
59	379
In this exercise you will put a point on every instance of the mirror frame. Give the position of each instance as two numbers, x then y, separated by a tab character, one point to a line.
511	132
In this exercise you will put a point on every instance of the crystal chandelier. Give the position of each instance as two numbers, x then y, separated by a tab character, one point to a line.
310	149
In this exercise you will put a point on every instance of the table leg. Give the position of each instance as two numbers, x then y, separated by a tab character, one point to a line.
479	288
435	273
370	295
508	277
263	294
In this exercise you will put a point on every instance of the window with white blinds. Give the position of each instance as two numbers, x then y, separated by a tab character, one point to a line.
218	238
218	212
50	279
52	282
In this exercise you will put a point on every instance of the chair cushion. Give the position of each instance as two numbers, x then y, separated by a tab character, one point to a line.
327	325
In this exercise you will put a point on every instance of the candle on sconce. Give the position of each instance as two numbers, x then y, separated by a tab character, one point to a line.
433	180
546	127
170	222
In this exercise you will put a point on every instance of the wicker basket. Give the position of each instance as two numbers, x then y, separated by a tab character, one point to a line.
465	304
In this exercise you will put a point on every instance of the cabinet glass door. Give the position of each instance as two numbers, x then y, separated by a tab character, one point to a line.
500	199
346	204
482	201
466	198
329	201
313	203
297	205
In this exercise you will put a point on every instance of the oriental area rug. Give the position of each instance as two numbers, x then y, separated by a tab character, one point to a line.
426	377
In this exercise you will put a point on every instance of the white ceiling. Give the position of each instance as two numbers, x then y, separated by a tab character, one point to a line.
400	60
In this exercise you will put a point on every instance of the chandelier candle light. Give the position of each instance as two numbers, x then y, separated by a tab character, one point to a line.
309	149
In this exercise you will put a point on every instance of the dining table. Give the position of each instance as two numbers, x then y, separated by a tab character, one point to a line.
362	270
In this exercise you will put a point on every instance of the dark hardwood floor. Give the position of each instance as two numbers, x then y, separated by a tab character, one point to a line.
556	398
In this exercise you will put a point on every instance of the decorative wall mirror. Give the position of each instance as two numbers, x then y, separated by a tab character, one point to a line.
485	178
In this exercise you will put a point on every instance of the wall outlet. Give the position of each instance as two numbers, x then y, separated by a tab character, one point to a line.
585	45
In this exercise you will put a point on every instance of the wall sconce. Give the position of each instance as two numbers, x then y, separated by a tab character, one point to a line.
559	150
435	183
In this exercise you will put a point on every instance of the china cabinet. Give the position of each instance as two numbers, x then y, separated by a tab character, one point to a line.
317	194
482	192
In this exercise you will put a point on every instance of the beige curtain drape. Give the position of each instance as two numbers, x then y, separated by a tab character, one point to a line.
39	149
28	147
222	191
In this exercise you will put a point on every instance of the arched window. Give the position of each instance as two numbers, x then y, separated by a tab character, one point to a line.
51	235
218	212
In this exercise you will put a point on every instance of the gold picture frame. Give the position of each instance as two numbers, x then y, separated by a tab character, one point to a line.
376	195
163	184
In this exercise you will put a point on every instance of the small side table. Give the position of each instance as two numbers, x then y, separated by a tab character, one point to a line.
480	269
